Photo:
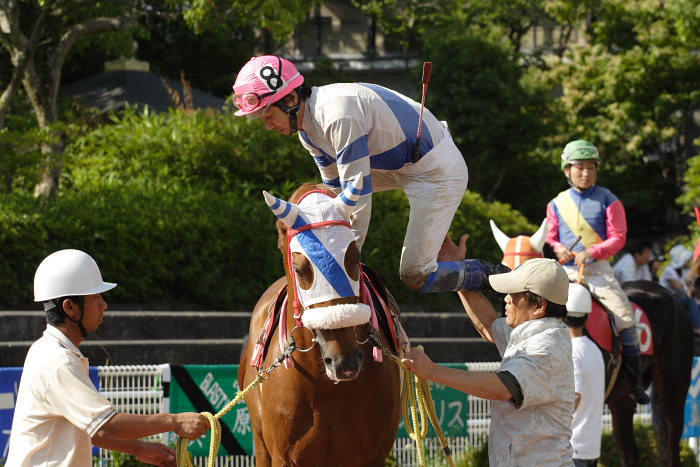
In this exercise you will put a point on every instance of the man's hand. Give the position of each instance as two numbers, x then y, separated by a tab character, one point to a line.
564	255
156	454
452	252
191	425
418	362
583	257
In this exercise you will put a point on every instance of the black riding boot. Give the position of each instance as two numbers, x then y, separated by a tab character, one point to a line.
633	366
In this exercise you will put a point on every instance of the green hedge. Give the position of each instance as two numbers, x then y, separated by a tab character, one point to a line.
171	208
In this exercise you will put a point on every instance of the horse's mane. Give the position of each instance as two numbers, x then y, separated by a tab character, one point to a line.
309	186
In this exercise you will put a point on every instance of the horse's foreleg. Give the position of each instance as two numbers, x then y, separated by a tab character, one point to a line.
262	456
622	411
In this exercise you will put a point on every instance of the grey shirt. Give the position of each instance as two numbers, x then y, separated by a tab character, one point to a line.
538	354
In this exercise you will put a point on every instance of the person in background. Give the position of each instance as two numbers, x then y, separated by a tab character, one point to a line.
589	381
674	279
634	265
533	390
586	226
59	414
655	265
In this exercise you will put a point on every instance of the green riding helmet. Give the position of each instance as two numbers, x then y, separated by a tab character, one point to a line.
579	150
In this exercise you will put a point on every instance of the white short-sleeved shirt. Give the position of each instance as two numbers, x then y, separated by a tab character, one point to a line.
538	354
626	269
58	408
669	274
589	382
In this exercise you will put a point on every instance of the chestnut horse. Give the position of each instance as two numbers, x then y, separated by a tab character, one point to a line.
334	404
668	369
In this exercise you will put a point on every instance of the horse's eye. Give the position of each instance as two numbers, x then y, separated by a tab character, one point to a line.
352	261
303	269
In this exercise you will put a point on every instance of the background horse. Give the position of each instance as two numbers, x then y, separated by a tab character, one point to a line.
668	369
336	405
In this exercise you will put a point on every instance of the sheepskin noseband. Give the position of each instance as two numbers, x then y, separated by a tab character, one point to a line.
336	316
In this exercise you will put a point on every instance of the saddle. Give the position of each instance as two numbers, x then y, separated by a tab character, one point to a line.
373	293
601	328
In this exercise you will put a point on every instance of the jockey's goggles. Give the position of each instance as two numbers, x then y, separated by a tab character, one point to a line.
250	101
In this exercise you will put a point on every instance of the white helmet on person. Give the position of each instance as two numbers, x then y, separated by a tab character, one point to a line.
68	273
579	303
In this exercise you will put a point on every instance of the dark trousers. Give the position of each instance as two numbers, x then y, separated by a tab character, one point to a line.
585	462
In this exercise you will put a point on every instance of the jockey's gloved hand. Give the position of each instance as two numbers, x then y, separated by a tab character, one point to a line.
468	274
491	269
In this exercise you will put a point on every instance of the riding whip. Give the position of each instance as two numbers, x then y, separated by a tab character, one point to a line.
427	69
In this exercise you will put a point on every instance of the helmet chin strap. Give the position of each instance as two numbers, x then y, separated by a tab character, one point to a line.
79	322
292	112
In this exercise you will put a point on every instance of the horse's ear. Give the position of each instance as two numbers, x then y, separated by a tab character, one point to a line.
501	238
538	238
347	200
286	212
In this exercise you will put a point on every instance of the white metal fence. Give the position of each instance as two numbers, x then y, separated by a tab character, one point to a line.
139	389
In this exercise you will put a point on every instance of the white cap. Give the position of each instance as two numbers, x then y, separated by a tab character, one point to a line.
68	272
542	276
680	256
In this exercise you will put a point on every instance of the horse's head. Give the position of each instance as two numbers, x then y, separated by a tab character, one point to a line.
322	263
517	250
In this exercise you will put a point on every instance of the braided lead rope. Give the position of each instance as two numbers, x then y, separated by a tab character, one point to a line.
417	404
182	453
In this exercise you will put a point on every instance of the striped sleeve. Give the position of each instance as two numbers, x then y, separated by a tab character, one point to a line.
326	164
349	138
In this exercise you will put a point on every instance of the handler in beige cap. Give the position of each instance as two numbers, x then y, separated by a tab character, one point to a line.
533	390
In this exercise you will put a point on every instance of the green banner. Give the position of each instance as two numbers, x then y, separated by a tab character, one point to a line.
451	407
209	388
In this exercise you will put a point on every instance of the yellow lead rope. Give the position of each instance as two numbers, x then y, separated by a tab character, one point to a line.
183	455
417	404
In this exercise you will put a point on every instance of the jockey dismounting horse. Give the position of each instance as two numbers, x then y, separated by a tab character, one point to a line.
334	403
667	369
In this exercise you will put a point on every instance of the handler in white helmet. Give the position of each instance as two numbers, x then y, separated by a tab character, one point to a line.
59	414
589	380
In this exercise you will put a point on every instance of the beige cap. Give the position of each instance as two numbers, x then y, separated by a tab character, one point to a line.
542	276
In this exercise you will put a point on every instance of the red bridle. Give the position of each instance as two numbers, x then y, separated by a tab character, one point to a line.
290	234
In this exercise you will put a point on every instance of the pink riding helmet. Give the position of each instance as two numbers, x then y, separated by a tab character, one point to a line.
263	81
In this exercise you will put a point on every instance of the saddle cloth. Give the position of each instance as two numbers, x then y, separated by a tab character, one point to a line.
600	328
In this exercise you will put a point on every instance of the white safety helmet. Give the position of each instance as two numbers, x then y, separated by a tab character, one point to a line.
579	303
68	273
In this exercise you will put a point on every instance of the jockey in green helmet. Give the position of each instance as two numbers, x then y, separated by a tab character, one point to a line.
579	150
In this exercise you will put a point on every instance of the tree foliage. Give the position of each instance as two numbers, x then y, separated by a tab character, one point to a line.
494	109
